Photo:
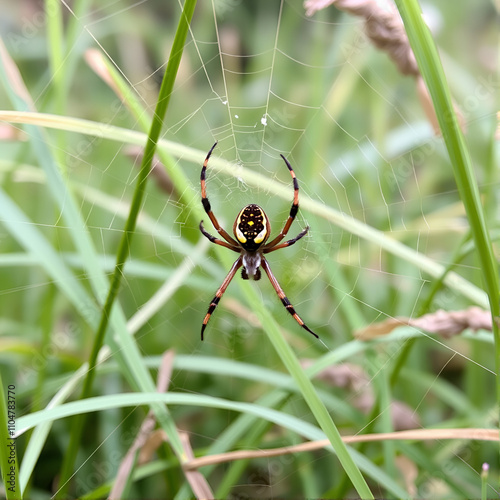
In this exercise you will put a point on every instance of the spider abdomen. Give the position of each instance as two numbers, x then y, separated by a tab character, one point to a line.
251	227
251	264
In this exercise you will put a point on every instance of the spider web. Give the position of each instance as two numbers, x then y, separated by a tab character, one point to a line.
261	89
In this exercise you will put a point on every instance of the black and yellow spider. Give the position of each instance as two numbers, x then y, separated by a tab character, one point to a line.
251	229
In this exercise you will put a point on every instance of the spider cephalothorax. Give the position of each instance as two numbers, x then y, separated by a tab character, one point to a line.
252	230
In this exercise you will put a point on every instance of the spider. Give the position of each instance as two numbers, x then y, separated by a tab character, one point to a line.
251	229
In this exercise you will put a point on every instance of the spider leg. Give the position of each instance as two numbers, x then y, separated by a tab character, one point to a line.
287	243
217	241
206	203
283	297
220	292
293	210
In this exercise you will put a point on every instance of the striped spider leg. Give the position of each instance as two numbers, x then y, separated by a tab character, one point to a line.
251	230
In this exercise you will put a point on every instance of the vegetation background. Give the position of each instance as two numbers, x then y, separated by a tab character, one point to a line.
389	237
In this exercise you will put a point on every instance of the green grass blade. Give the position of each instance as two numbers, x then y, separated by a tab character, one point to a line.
107	402
432	71
26	233
342	220
133	368
123	400
308	391
124	248
55	40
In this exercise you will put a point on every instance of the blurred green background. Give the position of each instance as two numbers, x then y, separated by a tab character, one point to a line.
262	78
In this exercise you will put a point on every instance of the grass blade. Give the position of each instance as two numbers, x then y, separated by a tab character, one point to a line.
124	248
342	220
308	392
431	68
